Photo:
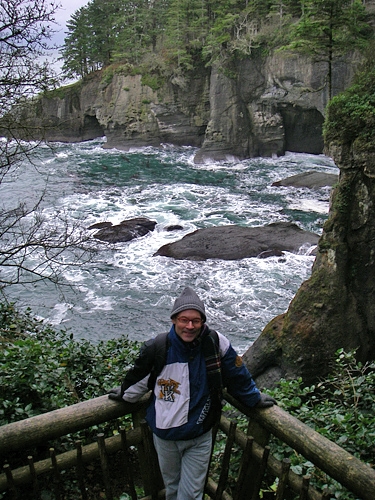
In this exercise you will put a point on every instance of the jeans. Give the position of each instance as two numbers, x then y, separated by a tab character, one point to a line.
184	466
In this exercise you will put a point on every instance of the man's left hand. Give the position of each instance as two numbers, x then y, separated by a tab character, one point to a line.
265	401
115	394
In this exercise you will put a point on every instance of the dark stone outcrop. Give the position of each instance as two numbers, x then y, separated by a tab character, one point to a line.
236	242
335	307
309	179
125	231
174	227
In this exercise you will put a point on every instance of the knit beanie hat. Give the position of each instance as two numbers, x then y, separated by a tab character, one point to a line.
188	300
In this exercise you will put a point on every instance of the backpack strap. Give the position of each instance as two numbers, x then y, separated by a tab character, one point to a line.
158	353
211	353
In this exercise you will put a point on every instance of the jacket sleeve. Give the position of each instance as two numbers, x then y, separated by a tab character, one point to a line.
238	380
135	383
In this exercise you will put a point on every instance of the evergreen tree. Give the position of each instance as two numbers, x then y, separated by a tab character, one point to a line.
139	27
188	31
330	29
76	51
91	37
188	23
104	17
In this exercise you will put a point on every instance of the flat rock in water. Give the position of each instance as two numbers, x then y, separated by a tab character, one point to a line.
236	242
309	179
125	231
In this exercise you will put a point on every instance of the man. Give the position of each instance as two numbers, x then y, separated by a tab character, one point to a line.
197	363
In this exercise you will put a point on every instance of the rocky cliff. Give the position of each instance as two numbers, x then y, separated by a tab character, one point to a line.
261	107
335	308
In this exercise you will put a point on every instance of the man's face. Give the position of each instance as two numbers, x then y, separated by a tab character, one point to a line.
188	324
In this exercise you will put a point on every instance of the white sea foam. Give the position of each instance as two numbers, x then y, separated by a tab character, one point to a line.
59	313
320	207
129	291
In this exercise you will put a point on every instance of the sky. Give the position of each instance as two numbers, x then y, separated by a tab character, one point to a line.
63	14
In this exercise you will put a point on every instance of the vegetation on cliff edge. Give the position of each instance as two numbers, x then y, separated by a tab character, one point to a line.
180	35
351	114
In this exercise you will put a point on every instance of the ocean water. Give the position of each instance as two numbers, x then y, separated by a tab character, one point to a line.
127	290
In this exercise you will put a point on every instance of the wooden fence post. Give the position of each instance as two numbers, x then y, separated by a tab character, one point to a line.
305	487
34	478
56	475
11	485
260	473
283	479
80	470
127	464
226	460
104	466
152	471
244	472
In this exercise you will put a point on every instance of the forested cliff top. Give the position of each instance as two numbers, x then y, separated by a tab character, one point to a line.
173	36
234	80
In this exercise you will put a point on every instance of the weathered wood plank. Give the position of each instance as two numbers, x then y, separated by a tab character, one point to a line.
273	464
31	431
80	471
57	484
127	464
104	466
245	471
260	473
226	461
283	479
90	452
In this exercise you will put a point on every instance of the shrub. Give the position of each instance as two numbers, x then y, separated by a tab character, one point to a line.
351	114
340	407
43	369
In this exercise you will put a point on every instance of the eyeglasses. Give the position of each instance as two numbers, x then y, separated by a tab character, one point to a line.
185	321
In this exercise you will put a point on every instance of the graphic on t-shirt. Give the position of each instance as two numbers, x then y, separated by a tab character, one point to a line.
168	388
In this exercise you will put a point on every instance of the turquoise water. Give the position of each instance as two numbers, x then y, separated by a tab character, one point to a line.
127	290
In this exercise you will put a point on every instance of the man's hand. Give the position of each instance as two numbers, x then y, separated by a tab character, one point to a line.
265	401
115	394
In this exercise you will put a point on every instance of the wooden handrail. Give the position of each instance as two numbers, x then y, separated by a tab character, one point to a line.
35	430
22	475
328	456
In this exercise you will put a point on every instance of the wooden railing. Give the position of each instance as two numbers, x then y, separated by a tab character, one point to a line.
257	464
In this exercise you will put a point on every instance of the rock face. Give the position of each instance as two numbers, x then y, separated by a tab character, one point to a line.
266	106
335	308
236	242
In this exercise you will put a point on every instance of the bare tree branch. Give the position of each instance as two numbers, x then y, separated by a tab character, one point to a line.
32	248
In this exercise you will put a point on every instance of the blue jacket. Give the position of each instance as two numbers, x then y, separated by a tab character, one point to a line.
181	397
